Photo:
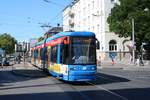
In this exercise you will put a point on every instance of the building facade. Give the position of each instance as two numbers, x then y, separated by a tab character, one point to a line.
91	15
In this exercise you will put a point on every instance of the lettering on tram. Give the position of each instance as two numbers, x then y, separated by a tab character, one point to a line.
70	56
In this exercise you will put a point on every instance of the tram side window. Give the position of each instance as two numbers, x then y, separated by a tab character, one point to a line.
45	54
64	54
36	54
41	53
54	54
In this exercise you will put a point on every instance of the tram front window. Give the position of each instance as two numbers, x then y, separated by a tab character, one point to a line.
83	51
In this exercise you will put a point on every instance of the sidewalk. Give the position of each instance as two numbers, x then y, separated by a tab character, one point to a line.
124	66
28	70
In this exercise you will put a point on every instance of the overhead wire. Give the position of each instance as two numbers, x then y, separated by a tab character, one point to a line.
55	3
59	13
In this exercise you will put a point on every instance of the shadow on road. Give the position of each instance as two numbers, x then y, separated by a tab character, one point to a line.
102	78
19	76
125	94
28	86
29	73
23	75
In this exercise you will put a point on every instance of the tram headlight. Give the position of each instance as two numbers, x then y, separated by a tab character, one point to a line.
93	68
73	68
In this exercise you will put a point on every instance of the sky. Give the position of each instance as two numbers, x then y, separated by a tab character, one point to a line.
23	19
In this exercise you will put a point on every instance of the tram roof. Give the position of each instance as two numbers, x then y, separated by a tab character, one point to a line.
62	34
38	43
41	42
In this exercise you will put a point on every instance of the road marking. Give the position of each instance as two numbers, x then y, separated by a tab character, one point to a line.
105	78
79	92
113	93
72	87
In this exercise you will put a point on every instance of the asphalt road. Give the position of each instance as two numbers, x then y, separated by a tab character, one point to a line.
110	84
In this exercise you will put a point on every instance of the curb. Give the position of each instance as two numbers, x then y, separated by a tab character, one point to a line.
137	68
110	68
125	67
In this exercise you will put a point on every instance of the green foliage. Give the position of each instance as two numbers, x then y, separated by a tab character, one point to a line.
7	42
121	16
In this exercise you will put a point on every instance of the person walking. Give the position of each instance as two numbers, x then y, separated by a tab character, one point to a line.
19	59
99	60
112	56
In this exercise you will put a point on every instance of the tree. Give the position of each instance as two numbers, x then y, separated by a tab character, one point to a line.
121	16
7	42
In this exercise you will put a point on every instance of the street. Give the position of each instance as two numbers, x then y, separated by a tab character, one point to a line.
96	49
110	84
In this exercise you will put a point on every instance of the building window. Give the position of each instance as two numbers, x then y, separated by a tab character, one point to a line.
112	1
112	45
92	4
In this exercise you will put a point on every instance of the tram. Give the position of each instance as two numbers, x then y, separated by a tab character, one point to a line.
70	56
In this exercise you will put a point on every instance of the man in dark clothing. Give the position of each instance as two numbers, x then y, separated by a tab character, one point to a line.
19	59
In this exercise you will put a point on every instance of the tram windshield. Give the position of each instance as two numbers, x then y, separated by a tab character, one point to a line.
83	50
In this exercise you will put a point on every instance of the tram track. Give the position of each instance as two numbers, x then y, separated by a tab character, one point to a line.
81	92
121	76
85	97
101	88
97	88
115	80
71	87
109	91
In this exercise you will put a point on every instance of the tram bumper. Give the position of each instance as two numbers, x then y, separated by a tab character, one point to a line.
81	75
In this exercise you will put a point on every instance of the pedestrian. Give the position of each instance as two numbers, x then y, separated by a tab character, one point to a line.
112	57
112	61
141	60
131	59
99	60
18	59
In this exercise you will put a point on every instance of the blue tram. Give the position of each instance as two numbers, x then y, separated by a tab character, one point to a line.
69	56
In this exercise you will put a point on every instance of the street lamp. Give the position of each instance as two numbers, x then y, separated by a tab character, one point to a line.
133	38
133	42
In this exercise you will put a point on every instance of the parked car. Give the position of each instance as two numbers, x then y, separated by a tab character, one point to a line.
4	61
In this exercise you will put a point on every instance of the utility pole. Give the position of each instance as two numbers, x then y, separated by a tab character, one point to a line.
133	41
15	53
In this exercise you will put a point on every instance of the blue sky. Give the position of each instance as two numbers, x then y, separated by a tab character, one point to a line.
22	18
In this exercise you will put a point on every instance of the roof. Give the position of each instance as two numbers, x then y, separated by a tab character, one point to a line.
54	30
62	34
